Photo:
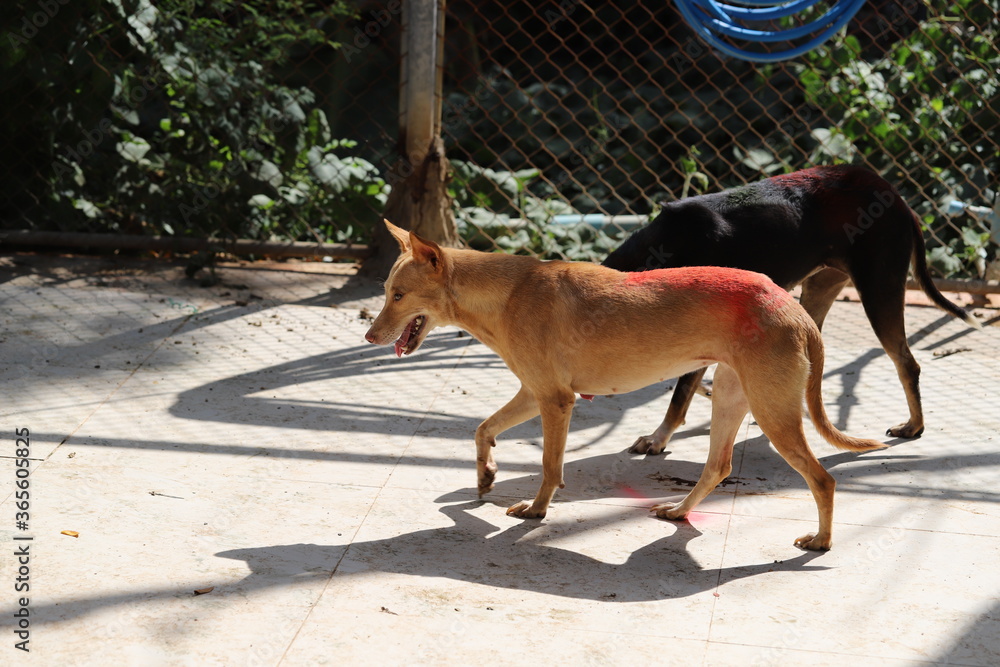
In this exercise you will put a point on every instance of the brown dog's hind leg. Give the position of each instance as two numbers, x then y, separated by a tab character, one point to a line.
519	409
819	291
556	409
729	406
777	407
794	448
684	391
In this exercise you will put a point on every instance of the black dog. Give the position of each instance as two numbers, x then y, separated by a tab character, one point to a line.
819	227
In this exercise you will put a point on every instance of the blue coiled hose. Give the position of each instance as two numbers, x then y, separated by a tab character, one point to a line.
714	20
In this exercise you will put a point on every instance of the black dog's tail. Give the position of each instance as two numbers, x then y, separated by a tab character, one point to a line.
925	281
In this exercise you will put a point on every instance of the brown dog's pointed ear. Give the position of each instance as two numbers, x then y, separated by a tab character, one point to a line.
426	251
401	235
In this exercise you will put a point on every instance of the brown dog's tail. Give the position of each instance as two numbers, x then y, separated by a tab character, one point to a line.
923	278
814	401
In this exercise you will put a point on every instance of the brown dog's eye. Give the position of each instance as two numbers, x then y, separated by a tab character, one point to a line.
397	296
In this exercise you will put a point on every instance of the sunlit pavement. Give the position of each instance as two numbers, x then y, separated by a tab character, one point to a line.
247	482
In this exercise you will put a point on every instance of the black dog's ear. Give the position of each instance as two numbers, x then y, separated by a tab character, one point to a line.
401	235
426	251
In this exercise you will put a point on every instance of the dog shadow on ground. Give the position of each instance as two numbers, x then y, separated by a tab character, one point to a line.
475	550
523	556
526	555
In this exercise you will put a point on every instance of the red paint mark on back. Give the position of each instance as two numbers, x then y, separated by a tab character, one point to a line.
645	277
719	280
844	195
811	177
744	294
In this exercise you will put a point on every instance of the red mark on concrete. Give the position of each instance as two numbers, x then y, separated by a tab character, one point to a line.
631	493
697	518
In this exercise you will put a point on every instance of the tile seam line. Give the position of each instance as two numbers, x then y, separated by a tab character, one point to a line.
837	653
725	540
378	495
119	386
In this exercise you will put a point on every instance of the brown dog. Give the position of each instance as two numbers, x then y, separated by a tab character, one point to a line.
567	328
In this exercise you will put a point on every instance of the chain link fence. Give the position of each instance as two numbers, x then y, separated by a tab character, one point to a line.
566	122
605	109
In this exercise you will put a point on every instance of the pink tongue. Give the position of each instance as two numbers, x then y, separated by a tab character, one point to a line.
403	339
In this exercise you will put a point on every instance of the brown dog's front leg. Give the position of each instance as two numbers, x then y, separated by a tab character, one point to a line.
729	407
556	413
684	391
519	409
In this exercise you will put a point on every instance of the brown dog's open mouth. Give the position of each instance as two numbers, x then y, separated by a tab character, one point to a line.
407	341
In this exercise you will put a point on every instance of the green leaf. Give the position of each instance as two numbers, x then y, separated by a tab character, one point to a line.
943	259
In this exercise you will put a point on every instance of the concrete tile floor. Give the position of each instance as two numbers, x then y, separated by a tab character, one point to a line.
244	437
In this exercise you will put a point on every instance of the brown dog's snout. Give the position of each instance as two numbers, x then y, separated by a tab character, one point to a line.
369	336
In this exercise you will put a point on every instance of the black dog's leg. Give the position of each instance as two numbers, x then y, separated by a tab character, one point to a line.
819	291
883	295
687	386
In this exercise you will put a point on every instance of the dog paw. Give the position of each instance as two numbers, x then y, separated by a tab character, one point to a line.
906	430
486	476
645	444
525	510
814	542
672	511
